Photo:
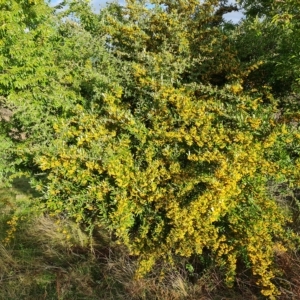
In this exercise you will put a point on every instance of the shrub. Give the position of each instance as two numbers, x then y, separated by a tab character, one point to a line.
152	133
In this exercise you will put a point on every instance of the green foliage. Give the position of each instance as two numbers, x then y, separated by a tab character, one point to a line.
160	129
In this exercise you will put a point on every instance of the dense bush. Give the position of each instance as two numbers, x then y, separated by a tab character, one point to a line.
150	120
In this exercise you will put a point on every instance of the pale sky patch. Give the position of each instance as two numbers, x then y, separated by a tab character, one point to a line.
234	16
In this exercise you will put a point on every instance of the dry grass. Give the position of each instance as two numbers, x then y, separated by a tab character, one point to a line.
289	281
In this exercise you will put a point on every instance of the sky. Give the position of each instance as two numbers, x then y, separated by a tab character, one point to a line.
234	16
